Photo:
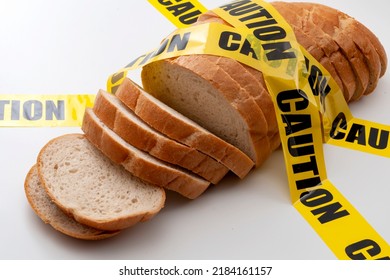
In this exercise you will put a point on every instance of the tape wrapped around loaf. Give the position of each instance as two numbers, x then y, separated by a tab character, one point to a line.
350	52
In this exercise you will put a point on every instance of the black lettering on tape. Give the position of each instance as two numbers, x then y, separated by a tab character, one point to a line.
382	142
320	198
180	8
227	41
190	18
318	83
266	30
232	41
297	97
179	43
2	108
176	43
261	23
301	145
270	33
182	12
308	183
340	122
244	9
295	123
117	77
311	165
165	3
377	139
55	110
278	51
236	4
357	133
15	110
32	110
262	13
364	249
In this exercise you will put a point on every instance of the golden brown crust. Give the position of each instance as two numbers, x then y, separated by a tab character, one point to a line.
299	18
155	172
182	131
359	51
237	96
154	143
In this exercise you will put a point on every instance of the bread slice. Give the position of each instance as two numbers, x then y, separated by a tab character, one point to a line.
248	83
139	163
180	128
249	79
49	213
203	92
119	118
93	190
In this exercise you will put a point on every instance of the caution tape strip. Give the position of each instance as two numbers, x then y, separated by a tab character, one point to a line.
29	110
300	103
309	104
180	13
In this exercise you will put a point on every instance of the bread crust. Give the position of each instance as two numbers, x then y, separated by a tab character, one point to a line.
365	62
181	129
137	163
123	122
297	17
53	215
239	74
237	96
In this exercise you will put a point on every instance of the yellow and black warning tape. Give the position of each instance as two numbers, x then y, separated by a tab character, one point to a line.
310	107
310	110
29	110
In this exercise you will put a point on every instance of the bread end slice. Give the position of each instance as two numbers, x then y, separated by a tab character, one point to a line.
49	213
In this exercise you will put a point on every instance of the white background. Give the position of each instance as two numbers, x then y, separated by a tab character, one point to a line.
49	47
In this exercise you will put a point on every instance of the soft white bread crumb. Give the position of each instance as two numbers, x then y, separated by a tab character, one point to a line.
51	214
95	191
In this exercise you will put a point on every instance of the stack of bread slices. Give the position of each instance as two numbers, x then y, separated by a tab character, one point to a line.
196	118
134	147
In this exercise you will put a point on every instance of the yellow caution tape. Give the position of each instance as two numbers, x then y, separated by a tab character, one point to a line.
180	12
310	109
309	104
29	110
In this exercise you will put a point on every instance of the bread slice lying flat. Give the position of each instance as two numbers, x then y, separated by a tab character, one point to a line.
180	128
49	212
139	163
93	190
119	118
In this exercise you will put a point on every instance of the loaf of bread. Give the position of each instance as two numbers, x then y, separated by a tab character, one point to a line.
199	86
196	118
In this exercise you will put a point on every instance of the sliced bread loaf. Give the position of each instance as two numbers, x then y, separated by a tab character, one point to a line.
93	190
49	212
180	128
119	118
139	163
